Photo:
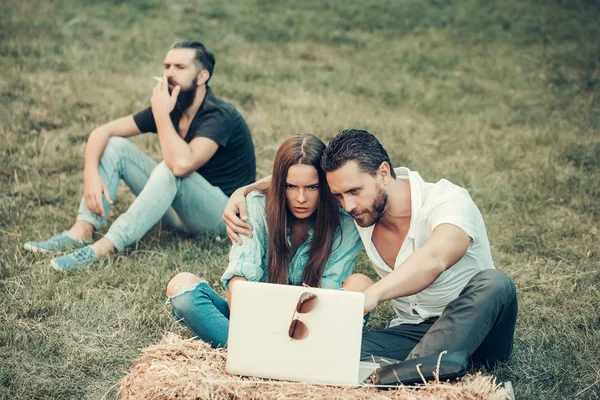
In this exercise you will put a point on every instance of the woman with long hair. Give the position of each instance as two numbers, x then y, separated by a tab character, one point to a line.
300	236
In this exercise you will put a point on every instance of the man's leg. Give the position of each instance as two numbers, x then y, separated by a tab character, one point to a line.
480	321
198	207
395	342
121	160
204	205
200	210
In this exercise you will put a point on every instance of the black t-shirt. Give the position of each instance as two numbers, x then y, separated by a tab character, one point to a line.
234	164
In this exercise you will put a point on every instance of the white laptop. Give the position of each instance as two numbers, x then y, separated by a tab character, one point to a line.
326	349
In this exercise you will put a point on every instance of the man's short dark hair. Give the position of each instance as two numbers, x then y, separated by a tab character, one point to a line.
205	58
357	145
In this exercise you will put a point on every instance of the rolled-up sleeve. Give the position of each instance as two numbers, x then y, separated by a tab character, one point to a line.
246	260
458	211
341	263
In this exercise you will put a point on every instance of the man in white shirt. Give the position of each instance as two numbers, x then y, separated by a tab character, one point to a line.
428	243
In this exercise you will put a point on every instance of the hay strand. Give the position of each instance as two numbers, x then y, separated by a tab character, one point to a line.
189	369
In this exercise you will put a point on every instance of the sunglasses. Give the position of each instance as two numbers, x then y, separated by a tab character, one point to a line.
306	303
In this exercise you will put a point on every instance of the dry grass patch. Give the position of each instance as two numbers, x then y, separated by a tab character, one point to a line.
191	369
502	98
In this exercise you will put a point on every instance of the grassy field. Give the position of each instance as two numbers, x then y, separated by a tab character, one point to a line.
502	98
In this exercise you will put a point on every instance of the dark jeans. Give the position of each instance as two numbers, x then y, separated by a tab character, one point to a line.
480	321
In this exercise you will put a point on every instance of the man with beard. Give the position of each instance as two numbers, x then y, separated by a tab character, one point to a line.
428	243
207	153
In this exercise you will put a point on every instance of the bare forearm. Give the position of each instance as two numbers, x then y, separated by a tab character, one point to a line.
175	151
445	247
414	275
98	140
261	185
94	149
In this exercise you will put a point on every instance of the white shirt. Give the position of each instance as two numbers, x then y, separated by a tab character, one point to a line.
434	204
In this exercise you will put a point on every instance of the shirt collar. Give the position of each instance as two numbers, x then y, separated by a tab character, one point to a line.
208	95
416	197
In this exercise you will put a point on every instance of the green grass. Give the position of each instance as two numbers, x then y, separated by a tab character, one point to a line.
502	98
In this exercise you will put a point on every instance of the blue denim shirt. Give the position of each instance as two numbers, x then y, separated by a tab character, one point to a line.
250	259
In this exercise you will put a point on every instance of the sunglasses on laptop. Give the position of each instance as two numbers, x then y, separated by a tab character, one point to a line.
306	303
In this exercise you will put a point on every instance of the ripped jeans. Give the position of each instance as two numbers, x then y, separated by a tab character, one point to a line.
203	311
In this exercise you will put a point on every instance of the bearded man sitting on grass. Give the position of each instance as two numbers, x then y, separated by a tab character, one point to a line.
207	153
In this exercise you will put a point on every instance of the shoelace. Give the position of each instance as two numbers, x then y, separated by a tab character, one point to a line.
82	256
56	240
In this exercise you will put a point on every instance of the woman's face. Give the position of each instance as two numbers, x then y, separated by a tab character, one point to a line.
302	190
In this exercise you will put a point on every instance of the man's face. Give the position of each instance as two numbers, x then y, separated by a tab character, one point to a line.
361	194
181	69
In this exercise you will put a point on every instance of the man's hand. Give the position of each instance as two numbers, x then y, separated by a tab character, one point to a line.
93	189
371	299
163	102
237	225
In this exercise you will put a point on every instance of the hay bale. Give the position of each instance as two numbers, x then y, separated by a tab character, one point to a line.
190	369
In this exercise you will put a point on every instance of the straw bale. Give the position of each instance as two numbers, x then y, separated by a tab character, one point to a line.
185	369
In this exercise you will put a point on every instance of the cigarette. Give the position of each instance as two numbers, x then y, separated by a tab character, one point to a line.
158	78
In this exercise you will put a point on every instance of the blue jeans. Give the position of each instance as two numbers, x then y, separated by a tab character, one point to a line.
189	204
203	311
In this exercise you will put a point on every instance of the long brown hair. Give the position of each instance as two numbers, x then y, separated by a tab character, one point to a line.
300	149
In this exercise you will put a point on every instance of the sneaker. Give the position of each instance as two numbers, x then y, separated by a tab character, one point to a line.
77	259
55	244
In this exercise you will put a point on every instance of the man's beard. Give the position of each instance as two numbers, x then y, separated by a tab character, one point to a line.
186	97
365	218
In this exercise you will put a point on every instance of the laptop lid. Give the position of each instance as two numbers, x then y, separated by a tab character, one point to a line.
259	343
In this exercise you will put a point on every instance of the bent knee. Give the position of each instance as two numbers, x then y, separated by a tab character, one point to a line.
182	304
357	283
181	283
495	283
162	171
116	147
116	143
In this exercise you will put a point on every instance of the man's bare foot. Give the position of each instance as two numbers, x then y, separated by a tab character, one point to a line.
81	231
103	247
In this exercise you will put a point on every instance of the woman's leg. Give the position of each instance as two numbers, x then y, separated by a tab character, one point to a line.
200	308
